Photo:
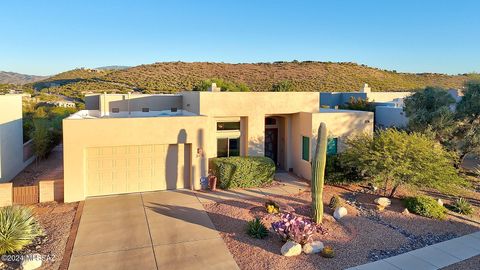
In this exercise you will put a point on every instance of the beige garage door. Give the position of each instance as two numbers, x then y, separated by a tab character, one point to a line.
137	168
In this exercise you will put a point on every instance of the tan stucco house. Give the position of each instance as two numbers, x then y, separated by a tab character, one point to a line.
13	158
126	143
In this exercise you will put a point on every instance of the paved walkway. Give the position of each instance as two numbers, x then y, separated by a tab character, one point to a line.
431	257
152	230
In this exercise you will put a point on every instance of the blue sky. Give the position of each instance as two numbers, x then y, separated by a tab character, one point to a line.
47	37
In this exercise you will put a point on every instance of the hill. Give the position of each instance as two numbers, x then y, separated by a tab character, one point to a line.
17	78
300	76
113	67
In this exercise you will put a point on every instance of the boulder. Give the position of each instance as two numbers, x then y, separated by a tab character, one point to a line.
383	201
440	202
405	212
291	248
33	261
312	248
340	212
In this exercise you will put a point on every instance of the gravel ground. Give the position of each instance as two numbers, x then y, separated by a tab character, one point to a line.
56	220
364	235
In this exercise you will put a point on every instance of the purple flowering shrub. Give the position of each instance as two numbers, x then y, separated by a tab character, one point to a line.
295	228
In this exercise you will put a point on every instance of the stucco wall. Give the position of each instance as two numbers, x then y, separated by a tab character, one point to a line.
11	137
387	116
136	102
341	124
387	96
339	98
79	134
254	106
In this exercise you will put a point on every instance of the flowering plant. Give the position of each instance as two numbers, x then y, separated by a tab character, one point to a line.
295	228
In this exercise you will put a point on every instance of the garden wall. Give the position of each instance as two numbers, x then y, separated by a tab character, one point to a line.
44	191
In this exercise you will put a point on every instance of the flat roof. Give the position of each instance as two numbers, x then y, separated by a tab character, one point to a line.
95	114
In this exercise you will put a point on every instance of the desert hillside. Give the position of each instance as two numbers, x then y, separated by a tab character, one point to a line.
299	76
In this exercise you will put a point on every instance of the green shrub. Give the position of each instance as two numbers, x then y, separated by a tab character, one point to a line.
335	202
18	227
337	172
462	206
256	229
243	172
425	206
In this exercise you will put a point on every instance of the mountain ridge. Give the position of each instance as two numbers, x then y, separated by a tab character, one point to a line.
8	77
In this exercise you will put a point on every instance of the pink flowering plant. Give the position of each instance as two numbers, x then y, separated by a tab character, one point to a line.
295	228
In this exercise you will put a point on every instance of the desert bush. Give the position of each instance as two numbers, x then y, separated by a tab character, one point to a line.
338	172
425	206
395	158
223	84
358	104
256	229
462	206
18	227
272	207
283	86
295	228
243	172
335	202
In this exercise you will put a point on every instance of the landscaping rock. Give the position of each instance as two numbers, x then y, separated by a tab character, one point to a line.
440	202
340	212
34	261
405	212
383	201
291	248
312	248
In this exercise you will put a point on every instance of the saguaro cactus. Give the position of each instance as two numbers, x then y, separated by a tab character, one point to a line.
318	173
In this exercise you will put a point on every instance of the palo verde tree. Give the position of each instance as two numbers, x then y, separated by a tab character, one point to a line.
395	158
429	111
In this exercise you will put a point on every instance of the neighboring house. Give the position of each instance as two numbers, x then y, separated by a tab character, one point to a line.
388	105
13	159
63	103
127	143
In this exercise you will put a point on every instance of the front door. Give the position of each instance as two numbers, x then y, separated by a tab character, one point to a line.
271	143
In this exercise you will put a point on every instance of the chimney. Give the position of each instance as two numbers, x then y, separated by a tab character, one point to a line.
214	88
366	89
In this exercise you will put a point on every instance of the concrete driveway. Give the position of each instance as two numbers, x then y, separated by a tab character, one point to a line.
153	230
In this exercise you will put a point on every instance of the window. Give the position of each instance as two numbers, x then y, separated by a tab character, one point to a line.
228	147
305	148
145	109
115	110
228	126
332	146
228	139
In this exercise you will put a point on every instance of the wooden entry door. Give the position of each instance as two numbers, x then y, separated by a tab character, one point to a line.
271	143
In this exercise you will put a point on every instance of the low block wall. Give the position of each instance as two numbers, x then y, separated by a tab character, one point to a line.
51	190
48	191
6	197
